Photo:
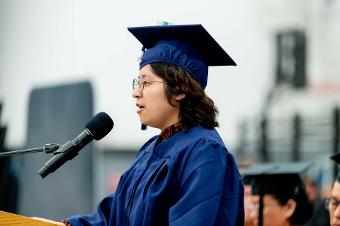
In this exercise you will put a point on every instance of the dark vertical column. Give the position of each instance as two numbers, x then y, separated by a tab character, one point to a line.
296	139
242	136
263	147
8	179
57	114
291	58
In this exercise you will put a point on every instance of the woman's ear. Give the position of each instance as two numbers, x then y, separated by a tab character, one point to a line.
180	97
290	207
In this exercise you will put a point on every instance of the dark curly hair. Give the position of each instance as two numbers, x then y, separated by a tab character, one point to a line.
196	108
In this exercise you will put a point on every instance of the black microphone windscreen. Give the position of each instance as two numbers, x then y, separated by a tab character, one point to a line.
100	125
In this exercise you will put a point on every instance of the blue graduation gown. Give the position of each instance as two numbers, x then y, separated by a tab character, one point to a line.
189	179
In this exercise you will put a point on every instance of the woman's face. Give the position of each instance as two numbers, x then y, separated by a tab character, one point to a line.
152	104
274	214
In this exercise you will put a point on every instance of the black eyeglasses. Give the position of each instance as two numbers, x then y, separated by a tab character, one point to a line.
332	203
140	83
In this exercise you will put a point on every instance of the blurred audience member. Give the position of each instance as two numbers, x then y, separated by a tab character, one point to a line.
279	197
332	204
320	215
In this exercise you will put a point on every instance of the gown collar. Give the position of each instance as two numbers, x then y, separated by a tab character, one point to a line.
169	131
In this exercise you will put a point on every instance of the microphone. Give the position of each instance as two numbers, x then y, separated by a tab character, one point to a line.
97	128
143	127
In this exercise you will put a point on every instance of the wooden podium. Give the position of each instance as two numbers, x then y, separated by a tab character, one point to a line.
10	219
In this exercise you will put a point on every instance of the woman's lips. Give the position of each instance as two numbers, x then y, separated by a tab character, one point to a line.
140	108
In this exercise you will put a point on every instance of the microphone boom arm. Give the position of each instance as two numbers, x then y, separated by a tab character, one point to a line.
48	148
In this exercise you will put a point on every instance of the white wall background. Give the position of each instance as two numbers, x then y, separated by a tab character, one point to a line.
48	42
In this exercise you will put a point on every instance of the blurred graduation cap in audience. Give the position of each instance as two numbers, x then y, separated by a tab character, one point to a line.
336	158
279	179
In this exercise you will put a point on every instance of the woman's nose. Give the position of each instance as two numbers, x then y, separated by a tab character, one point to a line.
136	93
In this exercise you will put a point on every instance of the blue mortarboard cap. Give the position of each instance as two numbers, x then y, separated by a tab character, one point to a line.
190	47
